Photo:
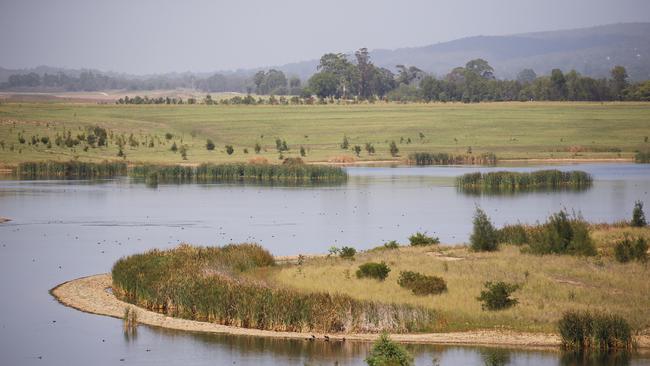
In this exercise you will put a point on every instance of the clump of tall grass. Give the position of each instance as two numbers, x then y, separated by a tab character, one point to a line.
130	319
505	181
584	330
213	284
421	284
642	157
425	158
378	271
70	170
562	234
422	239
627	250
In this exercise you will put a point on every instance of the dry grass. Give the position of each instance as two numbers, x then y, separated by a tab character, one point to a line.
552	284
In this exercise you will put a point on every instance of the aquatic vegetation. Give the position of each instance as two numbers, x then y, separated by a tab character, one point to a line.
426	158
421	284
218	284
72	169
505	181
594	331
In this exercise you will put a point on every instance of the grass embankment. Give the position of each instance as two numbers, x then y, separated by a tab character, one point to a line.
509	130
225	285
550	284
515	181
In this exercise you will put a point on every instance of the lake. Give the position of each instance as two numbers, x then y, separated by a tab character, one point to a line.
61	230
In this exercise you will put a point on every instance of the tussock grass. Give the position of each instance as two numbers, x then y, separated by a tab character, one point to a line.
515	181
218	284
70	170
551	284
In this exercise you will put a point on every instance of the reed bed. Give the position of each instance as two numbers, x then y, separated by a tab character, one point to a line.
425	158
217	284
70	170
504	181
241	172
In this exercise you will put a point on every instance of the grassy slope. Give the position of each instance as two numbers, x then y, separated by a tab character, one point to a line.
553	284
511	130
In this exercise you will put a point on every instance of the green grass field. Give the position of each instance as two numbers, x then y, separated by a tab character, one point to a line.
510	130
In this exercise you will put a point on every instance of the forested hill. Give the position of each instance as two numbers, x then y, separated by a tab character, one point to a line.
590	51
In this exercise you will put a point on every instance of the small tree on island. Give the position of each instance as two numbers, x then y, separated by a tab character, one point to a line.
638	216
385	352
484	236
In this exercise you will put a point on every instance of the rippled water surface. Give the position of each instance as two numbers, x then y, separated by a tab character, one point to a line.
62	230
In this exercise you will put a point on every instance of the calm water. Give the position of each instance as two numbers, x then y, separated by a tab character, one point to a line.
64	230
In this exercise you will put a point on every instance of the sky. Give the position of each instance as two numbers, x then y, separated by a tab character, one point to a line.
146	36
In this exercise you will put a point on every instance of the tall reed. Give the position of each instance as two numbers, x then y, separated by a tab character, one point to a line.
216	284
70	169
426	158
516	181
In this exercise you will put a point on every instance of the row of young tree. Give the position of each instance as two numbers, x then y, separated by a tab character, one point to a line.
338	77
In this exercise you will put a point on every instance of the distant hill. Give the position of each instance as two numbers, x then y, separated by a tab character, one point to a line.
590	51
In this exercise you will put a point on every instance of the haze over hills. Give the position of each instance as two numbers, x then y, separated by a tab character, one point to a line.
590	51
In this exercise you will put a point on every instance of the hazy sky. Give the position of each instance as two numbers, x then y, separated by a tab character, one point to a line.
143	36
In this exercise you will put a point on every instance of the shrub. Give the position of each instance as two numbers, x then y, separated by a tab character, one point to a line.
627	250
168	136
642	157
584	330
638	216
513	234
257	148
391	245
484	236
174	148
388	353
378	271
421	239
394	150
421	284
209	145
563	235
345	144
347	252
229	149
496	295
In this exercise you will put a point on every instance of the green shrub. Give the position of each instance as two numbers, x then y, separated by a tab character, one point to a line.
229	149
584	330
388	353
421	284
378	271
496	295
391	244
347	252
484	236
642	157
394	150
513	234
209	145
421	239
638	216
628	250
562	235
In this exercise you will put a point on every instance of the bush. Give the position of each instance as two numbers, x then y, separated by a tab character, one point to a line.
496	296
585	330
628	250
394	150
209	145
421	284
563	235
378	271
388	353
391	245
421	239
513	234
229	149
638	216
347	252
484	236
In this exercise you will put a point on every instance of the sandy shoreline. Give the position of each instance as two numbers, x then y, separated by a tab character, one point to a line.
89	294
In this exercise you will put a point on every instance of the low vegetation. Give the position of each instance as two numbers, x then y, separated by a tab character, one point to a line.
378	271
226	285
484	236
629	249
421	284
505	181
562	234
642	157
496	295
385	352
422	239
584	330
638	216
